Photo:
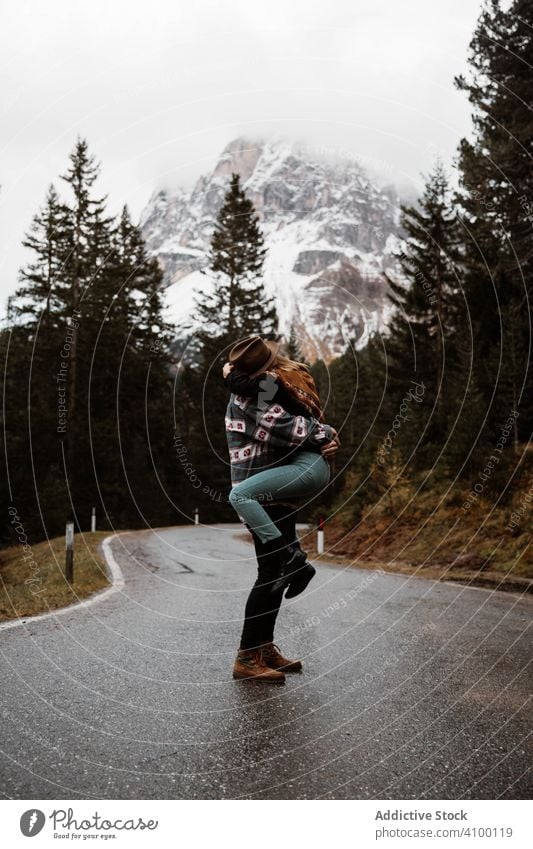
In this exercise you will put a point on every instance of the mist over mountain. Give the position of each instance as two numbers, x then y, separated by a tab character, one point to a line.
331	231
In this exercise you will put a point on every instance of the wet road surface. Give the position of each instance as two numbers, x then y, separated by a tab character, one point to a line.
411	688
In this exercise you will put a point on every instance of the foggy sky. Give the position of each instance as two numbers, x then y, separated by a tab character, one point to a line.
158	88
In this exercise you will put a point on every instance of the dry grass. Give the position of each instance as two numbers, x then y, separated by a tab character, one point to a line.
433	540
35	582
441	542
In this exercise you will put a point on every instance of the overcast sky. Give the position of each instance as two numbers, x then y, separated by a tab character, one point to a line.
159	87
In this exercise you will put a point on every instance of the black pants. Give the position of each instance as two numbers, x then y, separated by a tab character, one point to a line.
263	605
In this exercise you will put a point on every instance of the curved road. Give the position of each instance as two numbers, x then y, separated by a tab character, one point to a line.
411	688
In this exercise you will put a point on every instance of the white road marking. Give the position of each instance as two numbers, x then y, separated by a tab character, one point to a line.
117	584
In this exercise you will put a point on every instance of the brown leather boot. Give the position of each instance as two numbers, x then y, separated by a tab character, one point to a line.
251	664
273	658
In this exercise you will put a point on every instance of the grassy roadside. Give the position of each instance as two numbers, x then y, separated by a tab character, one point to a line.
491	579
441	543
33	581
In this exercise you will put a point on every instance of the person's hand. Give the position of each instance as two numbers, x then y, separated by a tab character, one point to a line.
332	447
226	368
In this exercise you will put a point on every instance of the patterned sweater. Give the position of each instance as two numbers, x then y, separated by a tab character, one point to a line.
262	434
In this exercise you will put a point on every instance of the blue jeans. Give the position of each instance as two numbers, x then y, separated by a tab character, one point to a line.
307	474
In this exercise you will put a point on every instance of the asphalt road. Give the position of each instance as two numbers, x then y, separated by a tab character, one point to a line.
411	689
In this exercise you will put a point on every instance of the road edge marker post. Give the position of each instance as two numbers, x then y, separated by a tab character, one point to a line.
320	537
196	516
69	552
93	520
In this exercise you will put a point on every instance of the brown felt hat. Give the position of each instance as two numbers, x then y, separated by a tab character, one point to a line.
253	354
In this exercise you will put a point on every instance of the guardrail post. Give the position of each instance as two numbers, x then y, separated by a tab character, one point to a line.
69	552
320	537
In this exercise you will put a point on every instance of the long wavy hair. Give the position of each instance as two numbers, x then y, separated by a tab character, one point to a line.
297	379
285	364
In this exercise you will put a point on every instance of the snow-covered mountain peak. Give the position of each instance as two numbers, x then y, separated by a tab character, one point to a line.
330	230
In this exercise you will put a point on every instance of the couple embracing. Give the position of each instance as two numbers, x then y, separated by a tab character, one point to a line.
280	451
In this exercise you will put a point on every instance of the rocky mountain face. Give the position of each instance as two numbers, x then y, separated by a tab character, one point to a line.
330	230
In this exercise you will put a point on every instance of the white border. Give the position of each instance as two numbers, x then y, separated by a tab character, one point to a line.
117	584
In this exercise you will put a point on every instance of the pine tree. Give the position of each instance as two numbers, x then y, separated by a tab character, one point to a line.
495	201
131	365
36	319
89	281
294	350
89	232
236	306
144	280
428	306
467	442
355	390
43	278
